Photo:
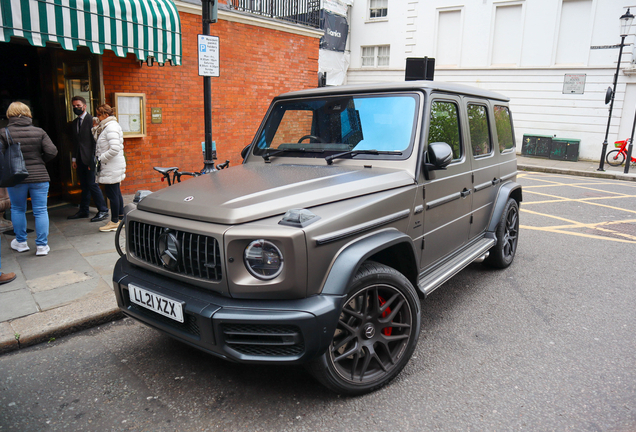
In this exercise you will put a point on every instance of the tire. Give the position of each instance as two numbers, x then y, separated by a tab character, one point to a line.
503	253
615	158
377	332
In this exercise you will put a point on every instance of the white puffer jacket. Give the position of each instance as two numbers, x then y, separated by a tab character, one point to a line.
110	151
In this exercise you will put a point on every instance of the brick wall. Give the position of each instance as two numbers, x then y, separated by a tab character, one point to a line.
256	65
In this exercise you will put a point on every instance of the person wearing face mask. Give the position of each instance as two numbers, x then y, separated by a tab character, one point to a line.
84	162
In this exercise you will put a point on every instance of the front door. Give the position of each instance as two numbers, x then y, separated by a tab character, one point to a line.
447	195
45	79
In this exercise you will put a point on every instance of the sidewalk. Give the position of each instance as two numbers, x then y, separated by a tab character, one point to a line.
71	288
68	290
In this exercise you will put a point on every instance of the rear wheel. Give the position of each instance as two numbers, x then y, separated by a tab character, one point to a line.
615	158
377	331
502	254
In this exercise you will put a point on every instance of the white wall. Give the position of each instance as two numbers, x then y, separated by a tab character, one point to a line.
522	49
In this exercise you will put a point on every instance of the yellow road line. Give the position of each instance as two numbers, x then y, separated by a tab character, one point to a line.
556	231
574	223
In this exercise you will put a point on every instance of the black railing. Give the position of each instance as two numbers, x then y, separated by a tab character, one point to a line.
305	12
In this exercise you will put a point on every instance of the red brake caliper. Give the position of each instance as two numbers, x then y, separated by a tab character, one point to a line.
387	330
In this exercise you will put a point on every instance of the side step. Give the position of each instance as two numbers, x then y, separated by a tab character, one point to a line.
432	280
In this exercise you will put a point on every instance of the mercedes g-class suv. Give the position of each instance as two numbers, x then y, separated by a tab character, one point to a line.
351	205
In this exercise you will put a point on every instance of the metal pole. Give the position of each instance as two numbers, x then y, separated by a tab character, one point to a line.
601	166
208	158
629	148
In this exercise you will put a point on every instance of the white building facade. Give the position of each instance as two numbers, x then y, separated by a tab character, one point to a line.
555	59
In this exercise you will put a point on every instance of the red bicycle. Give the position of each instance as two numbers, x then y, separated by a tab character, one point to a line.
617	157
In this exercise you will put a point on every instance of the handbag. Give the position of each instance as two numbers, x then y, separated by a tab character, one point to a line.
12	165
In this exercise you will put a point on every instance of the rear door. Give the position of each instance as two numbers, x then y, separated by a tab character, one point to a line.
484	161
448	193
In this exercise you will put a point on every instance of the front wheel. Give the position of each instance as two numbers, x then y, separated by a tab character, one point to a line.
615	158
377	332
502	254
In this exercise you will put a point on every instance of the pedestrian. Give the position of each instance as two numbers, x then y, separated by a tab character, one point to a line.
111	164
37	149
5	204
84	162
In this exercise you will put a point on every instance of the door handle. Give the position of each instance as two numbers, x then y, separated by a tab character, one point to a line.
465	193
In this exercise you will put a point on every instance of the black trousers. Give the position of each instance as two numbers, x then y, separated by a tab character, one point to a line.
116	201
89	187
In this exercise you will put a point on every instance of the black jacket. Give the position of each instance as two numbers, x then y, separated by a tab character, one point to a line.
37	148
83	143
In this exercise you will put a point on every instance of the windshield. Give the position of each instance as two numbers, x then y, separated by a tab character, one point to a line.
324	126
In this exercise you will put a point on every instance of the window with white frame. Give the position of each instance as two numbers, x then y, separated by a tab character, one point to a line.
378	9
376	56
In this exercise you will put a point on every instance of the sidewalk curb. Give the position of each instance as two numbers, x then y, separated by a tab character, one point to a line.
42	327
578	173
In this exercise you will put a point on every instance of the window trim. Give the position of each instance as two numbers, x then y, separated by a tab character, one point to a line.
377	19
376	56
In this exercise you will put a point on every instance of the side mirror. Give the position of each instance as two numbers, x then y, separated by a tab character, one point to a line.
440	154
609	93
245	151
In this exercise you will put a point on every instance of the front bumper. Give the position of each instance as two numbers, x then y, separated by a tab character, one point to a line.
248	331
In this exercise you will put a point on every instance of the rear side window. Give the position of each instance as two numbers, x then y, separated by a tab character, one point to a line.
503	122
479	131
444	126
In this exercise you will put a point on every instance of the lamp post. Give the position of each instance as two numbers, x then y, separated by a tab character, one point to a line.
626	22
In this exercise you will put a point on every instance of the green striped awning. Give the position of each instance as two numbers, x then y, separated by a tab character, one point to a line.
148	28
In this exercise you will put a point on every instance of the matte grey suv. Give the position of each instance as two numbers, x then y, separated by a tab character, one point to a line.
352	203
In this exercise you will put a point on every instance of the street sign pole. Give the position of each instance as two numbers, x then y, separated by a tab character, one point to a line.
208	9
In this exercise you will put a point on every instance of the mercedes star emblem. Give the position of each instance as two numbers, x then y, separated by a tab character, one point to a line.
168	249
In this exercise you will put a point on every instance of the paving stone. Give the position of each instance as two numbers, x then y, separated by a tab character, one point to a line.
17	304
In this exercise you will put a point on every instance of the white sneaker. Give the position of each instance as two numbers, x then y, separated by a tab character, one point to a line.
43	250
20	247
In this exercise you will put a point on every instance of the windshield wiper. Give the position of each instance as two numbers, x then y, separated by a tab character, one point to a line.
354	153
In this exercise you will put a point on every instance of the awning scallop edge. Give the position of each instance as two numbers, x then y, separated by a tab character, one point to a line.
147	28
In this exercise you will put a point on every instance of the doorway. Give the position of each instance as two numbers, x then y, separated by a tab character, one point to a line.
46	79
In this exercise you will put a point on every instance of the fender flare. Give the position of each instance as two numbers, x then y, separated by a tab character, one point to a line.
350	258
505	192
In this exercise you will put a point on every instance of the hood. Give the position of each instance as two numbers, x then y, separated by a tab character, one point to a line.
255	191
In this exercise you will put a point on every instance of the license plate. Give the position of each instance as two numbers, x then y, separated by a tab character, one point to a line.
157	303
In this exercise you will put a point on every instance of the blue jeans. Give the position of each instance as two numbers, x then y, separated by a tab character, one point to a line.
18	195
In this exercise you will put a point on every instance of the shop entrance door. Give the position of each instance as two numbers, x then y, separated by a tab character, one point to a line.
46	79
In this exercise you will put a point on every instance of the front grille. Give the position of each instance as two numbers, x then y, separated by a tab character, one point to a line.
199	257
264	339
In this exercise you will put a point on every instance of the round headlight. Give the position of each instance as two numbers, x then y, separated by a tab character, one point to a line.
263	259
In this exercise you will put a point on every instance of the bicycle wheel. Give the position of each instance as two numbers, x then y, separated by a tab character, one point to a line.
615	158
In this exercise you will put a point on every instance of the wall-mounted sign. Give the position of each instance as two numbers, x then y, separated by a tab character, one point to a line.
155	115
336	31
208	49
131	113
574	84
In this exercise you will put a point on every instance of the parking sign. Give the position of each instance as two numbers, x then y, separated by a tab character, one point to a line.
208	56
